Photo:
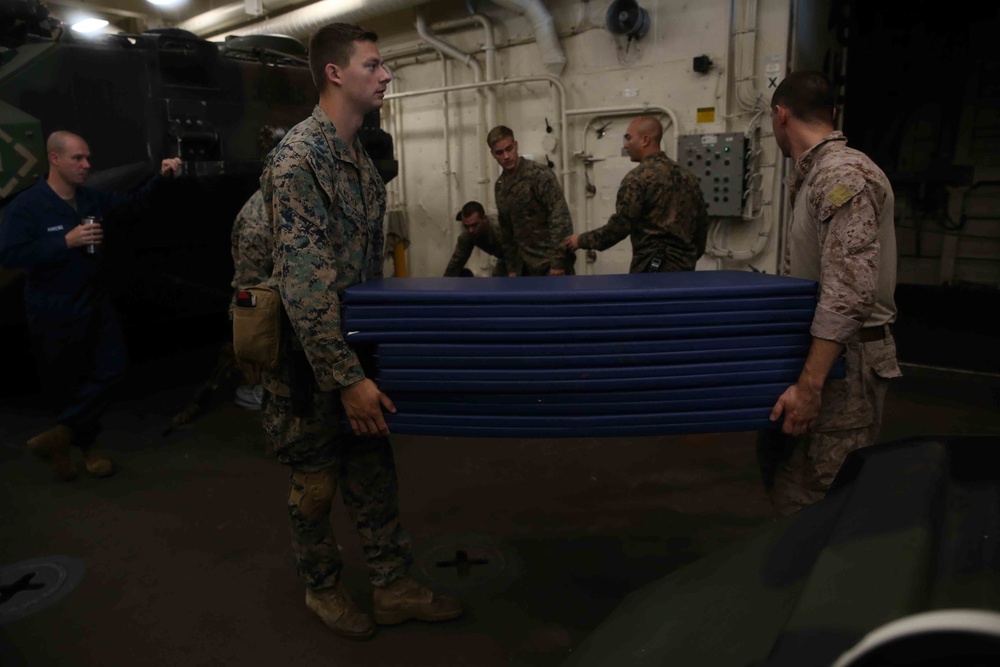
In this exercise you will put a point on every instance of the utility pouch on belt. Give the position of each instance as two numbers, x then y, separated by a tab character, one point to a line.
257	326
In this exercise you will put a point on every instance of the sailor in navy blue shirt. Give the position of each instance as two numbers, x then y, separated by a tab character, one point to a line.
73	325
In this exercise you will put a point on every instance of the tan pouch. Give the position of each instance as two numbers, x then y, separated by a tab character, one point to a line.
257	326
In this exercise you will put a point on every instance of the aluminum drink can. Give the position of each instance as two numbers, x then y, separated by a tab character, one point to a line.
90	220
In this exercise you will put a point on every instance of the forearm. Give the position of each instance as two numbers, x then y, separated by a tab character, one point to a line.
604	237
822	356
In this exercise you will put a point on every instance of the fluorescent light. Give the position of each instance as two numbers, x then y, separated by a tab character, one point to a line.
163	2
89	25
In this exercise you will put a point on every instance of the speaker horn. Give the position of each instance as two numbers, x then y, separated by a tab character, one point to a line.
626	17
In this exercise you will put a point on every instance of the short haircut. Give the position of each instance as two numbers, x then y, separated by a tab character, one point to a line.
56	142
807	95
470	208
334	43
498	134
650	126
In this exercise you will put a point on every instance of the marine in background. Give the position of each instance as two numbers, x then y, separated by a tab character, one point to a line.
532	210
478	232
659	206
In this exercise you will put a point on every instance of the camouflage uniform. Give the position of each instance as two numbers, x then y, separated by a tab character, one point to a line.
842	235
534	220
489	241
661	206
325	212
251	246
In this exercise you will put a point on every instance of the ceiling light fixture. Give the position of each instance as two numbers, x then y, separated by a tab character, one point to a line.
89	25
164	3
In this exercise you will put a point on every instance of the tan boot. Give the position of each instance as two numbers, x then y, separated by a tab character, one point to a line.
97	465
405	599
52	446
339	612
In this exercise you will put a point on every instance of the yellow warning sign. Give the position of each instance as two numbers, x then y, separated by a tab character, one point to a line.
706	115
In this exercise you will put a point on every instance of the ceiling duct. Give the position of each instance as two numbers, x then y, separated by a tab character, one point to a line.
302	22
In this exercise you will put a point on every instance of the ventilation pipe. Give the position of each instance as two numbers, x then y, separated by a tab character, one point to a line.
302	22
449	50
545	32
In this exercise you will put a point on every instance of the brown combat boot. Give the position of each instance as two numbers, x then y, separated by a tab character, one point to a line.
405	599
53	447
339	612
97	465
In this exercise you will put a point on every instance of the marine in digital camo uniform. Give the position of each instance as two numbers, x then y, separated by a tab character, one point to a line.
659	204
251	245
534	216
325	203
478	232
842	235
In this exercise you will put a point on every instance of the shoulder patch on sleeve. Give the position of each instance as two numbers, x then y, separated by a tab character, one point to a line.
839	195
831	190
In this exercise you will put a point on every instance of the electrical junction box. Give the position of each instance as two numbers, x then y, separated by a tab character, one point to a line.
719	161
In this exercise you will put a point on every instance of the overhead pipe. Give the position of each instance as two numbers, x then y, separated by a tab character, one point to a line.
489	48
304	21
544	29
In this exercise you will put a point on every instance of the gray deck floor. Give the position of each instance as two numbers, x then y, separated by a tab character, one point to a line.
187	558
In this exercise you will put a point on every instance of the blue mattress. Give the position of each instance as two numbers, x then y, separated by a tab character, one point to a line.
578	356
581	336
605	308
486	361
596	321
584	371
567	289
763	400
528	421
789	375
397	351
568	398
568	430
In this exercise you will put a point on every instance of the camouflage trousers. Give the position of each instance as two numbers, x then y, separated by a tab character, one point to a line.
324	458
798	471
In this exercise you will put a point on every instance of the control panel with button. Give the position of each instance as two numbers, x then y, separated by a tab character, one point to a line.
718	161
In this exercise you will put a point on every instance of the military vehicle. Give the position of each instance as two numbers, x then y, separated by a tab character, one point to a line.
136	99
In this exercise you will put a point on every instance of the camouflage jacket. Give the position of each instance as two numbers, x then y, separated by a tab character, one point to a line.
251	246
843	236
534	219
661	207
489	241
325	212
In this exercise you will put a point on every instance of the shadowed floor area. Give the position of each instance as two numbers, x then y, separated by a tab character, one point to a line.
186	550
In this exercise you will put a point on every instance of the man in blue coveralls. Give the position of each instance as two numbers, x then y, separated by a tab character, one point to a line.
79	344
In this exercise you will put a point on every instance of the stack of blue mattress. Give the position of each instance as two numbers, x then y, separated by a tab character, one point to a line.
617	355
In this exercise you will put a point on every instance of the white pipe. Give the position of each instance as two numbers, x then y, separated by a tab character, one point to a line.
639	110
564	149
545	32
489	47
445	48
447	146
214	19
304	21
